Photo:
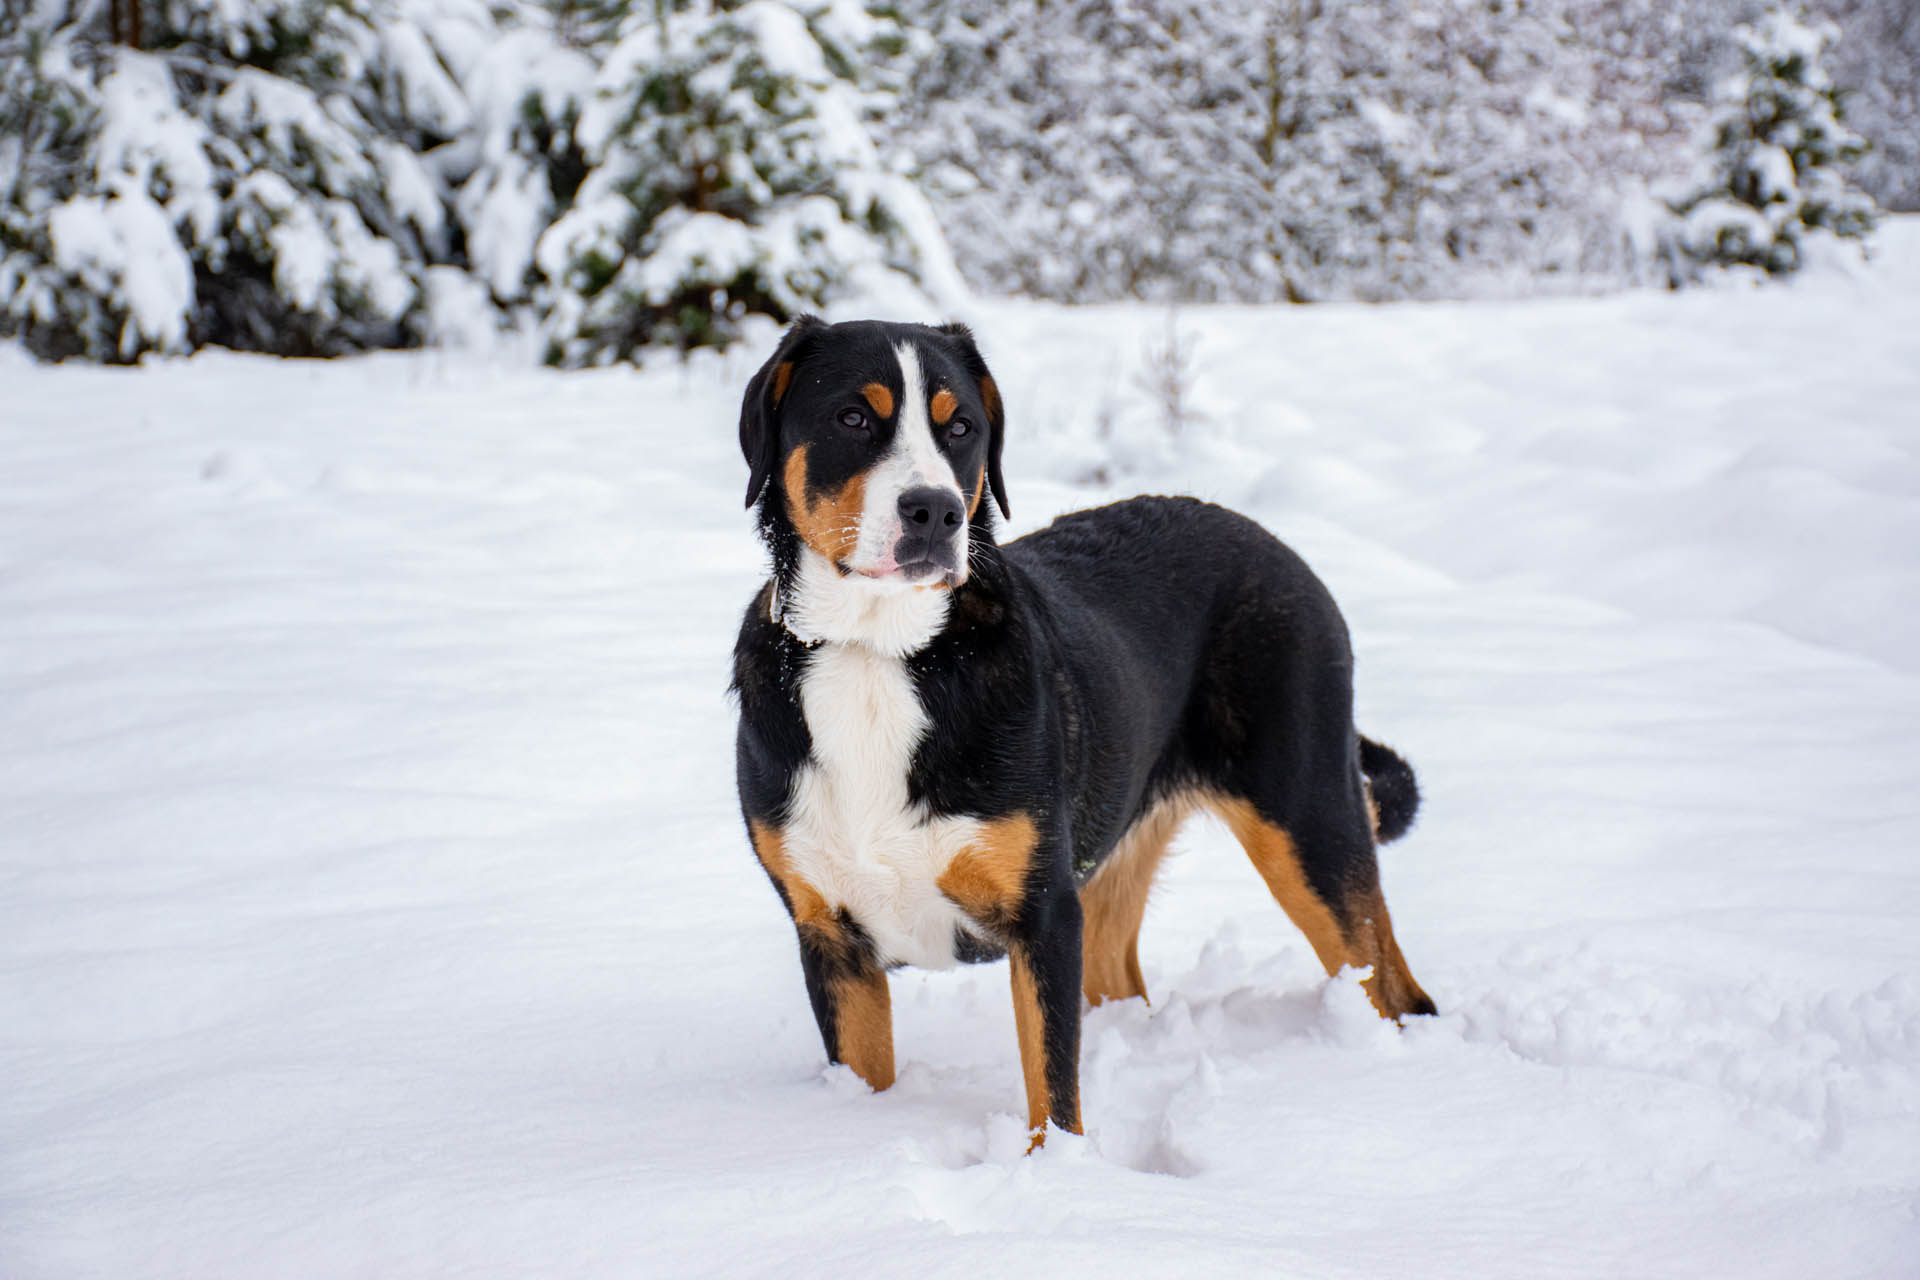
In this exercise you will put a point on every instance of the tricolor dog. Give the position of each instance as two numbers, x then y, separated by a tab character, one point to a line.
951	750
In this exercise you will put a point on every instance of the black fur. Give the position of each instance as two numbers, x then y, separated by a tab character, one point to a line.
1395	793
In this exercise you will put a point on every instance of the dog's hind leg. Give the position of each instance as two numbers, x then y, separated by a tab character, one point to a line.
1322	870
1114	901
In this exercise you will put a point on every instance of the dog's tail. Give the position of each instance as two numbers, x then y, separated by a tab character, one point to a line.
1396	796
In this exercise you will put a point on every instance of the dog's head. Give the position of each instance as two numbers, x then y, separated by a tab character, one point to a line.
876	445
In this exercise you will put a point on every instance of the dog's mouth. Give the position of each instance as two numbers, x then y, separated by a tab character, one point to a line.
927	574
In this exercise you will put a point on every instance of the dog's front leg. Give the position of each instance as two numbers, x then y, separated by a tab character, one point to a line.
851	1002
1045	959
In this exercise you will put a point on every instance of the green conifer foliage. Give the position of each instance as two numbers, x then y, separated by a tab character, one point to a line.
1778	171
732	175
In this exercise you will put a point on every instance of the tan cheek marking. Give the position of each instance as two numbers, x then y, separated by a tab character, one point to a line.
988	878
942	406
781	378
880	398
831	524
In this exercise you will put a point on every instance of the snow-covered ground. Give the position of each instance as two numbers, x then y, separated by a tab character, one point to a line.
373	900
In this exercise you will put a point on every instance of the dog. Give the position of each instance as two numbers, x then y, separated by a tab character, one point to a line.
951	750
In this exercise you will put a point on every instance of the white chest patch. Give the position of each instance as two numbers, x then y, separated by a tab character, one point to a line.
852	833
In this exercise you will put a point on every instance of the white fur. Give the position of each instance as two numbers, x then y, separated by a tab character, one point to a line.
890	616
913	461
852	832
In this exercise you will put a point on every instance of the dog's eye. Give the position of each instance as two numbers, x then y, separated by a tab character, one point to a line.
959	427
853	419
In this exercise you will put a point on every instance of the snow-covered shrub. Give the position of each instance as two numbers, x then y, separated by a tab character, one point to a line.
528	91
1778	169
1876	65
732	173
222	185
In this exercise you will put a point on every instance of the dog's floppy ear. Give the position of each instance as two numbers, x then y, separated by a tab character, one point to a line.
760	407
996	410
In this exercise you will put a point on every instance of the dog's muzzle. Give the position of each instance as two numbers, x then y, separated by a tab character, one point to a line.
933	529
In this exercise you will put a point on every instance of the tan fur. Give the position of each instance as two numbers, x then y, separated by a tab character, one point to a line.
782	378
988	878
990	397
1392	987
862	1003
863	1024
942	405
879	397
810	910
1277	859
1114	901
831	523
1368	938
979	491
1030	1024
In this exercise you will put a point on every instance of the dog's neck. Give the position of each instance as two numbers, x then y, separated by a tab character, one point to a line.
818	603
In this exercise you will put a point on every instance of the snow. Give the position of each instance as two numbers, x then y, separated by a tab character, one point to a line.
373	897
123	243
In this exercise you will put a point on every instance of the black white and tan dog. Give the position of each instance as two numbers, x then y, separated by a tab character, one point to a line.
951	750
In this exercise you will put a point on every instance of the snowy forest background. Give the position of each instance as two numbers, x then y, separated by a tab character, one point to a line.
318	176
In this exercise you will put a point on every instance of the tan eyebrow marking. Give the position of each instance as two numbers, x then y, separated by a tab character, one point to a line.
880	398
943	404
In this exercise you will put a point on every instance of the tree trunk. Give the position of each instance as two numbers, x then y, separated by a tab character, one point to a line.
126	23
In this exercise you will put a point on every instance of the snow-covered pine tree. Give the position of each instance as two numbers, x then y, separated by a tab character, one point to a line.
732	174
524	159
1876	64
1778	171
1267	149
222	184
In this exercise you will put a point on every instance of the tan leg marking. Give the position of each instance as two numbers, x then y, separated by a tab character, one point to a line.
1368	941
1114	901
1030	1024
830	524
863	1024
942	405
1392	987
988	878
862	1003
810	910
1278	861
879	397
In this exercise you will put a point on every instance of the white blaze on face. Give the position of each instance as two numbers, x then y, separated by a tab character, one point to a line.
913	461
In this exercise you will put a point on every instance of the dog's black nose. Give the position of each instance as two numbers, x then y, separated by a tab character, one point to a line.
934	512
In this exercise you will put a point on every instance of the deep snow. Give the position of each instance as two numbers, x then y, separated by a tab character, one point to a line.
373	900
